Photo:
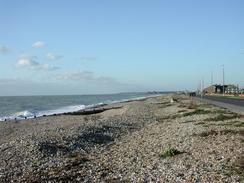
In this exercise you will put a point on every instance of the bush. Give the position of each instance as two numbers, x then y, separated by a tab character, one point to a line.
222	117
192	105
195	112
169	153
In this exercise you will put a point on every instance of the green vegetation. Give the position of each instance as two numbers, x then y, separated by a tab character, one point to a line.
192	105
223	117
175	116
182	105
164	106
222	132
240	132
162	103
226	96
240	124
163	118
230	123
195	112
180	111
200	123
237	97
207	133
190	121
176	99
170	152
222	111
238	167
206	105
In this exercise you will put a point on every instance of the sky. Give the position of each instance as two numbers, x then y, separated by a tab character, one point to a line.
63	47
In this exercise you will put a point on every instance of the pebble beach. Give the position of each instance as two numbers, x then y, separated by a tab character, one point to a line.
170	138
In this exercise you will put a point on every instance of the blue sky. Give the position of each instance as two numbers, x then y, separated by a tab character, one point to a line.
94	46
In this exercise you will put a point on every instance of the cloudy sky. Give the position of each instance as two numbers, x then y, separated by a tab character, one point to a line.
93	46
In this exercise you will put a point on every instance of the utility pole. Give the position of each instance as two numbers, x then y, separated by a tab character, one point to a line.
223	79
202	87
212	78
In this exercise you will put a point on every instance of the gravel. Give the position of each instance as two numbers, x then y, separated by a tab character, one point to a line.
125	144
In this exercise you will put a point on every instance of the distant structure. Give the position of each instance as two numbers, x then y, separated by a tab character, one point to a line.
192	94
215	89
218	89
232	89
241	91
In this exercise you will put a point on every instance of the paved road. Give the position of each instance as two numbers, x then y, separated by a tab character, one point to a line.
232	101
235	105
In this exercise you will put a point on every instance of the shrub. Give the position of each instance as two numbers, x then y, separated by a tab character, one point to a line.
238	166
192	105
222	117
195	112
169	153
207	133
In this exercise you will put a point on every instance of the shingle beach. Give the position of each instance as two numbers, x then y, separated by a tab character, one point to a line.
170	138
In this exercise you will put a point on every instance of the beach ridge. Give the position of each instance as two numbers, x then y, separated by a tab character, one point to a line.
169	138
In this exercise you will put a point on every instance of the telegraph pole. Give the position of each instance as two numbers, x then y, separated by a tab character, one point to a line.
223	80
212	78
202	87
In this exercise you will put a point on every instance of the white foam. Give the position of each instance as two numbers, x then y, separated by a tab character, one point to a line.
73	108
32	114
62	110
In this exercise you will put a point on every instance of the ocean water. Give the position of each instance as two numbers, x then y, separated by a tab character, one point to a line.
29	106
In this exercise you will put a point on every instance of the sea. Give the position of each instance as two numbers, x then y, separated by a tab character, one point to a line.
22	107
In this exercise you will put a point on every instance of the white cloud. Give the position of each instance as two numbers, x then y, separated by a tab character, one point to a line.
46	67
53	56
86	76
30	62
4	49
27	61
77	76
29	86
24	86
105	80
38	44
87	58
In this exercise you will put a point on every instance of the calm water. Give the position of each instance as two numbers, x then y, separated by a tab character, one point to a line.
30	106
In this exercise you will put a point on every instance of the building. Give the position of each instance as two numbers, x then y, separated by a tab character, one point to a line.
232	89
192	94
215	89
218	89
241	91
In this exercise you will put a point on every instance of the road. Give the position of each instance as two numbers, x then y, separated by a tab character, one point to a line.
232	101
235	105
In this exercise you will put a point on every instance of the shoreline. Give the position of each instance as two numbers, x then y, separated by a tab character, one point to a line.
127	144
97	106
